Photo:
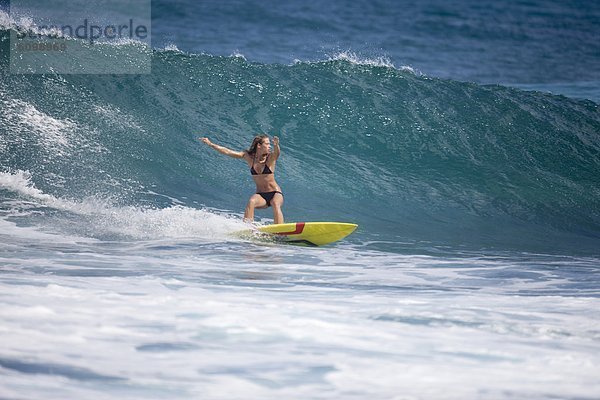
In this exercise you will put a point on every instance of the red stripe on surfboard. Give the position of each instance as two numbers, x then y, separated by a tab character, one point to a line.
299	229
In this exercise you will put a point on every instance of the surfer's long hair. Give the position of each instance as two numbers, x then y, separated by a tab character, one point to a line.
257	140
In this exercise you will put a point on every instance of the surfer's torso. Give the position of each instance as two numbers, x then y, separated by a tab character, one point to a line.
263	173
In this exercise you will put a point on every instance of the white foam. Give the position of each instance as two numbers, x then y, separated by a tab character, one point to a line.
49	129
24	122
353	58
117	118
5	20
172	47
381	61
234	331
172	222
25	23
20	182
100	217
12	230
237	54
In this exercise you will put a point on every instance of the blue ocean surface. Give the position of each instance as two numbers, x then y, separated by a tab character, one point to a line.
553	45
462	137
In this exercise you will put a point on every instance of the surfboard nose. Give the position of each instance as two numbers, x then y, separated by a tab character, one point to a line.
347	228
316	233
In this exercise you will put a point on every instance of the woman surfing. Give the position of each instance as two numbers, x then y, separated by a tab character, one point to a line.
261	161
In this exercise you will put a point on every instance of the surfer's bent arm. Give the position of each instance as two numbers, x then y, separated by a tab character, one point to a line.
276	148
223	150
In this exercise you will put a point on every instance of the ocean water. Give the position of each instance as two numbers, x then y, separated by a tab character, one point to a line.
463	138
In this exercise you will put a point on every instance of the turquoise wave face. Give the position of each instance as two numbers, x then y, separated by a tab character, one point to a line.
408	157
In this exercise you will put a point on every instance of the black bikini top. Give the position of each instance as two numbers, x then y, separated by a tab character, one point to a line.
266	170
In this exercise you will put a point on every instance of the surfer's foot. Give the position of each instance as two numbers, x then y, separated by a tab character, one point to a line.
253	224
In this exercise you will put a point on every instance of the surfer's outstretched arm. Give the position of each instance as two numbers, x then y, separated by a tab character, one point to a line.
222	149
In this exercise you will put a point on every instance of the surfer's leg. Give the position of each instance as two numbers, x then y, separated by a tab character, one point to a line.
256	201
276	203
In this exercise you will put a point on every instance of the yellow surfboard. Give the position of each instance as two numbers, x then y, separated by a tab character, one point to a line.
303	233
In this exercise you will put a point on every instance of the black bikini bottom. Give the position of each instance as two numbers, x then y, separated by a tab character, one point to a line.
268	196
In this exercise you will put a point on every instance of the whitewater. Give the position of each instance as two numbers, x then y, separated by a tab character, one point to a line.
474	273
